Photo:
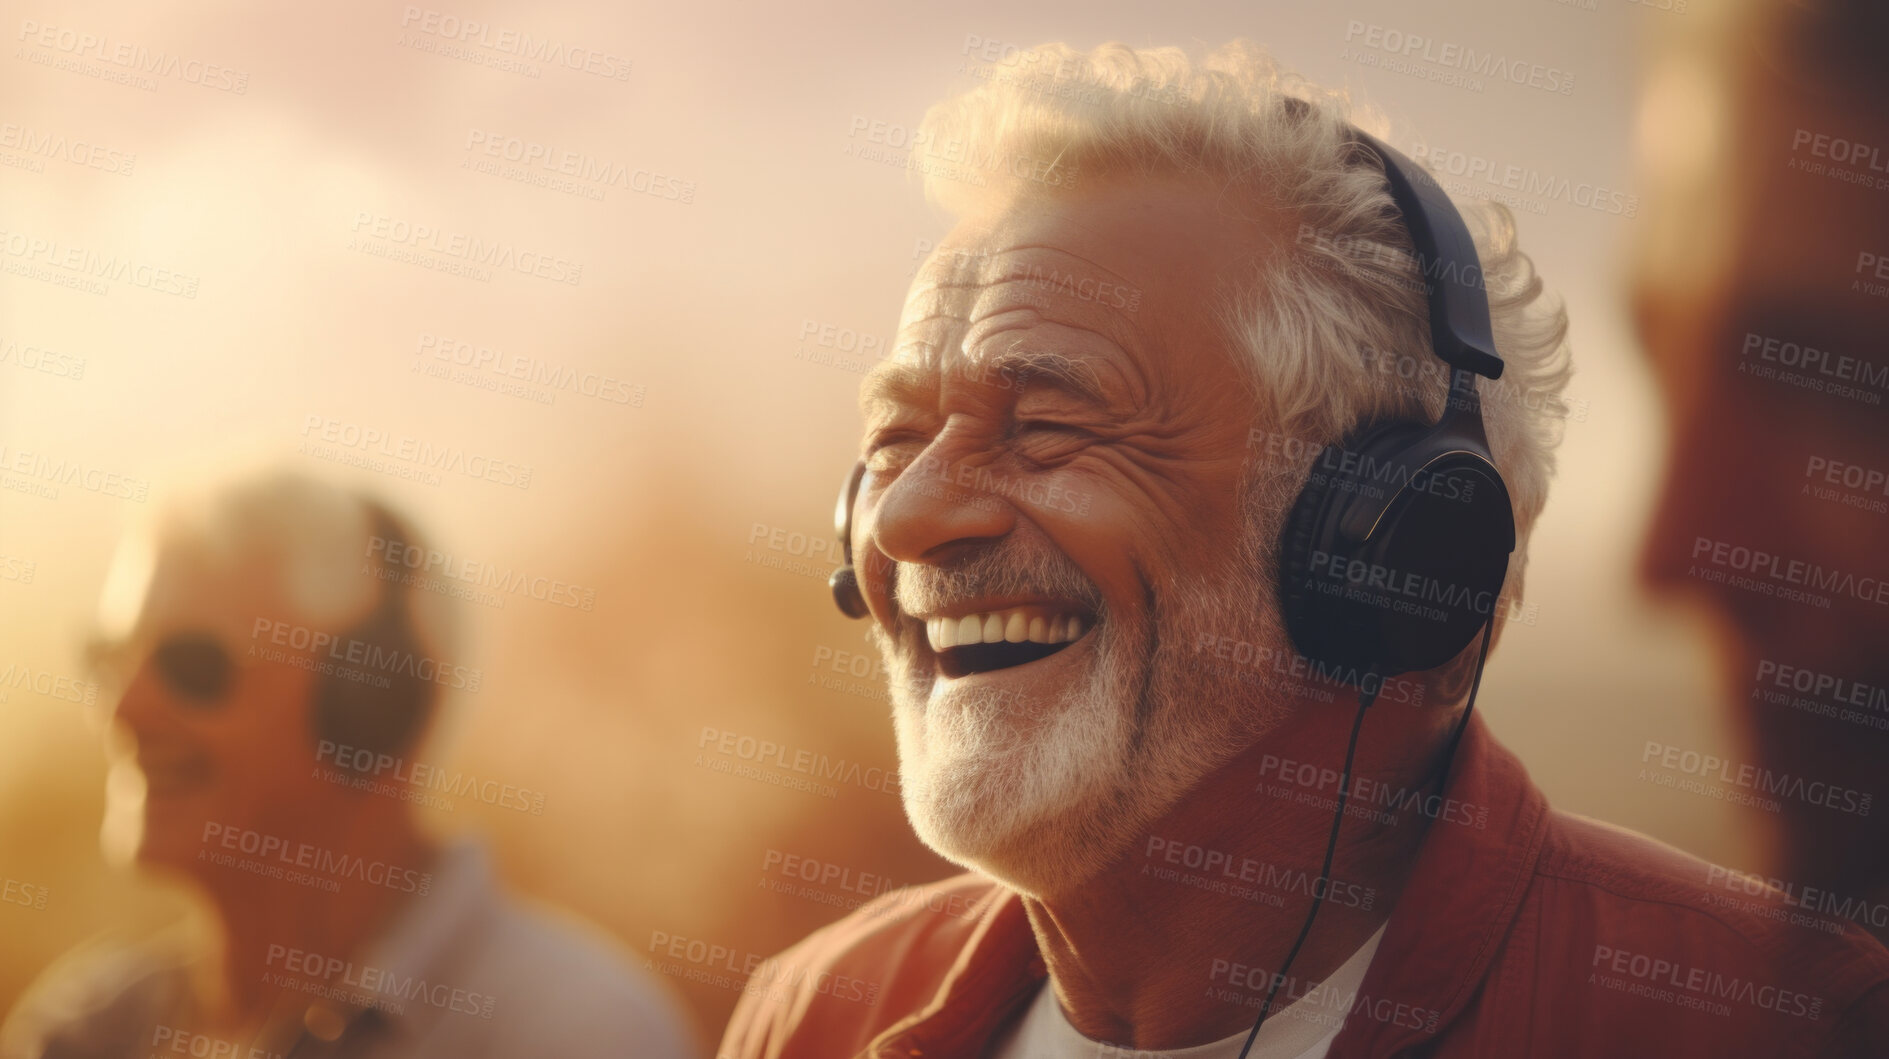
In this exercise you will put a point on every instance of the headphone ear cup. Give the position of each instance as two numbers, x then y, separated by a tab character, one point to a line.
1321	626
381	705
1431	574
384	703
1394	554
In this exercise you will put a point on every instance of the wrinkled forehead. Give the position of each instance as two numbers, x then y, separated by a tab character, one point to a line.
1130	265
969	284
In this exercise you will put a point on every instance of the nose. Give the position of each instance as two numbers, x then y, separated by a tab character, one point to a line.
144	707
939	505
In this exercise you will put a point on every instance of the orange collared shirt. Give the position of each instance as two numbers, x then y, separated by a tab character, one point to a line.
1522	932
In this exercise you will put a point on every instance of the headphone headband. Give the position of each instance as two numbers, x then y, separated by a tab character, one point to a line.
1452	271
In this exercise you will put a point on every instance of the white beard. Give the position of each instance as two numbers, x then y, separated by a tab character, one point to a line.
1044	795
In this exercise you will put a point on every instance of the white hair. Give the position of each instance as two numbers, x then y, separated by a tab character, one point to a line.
1335	327
310	546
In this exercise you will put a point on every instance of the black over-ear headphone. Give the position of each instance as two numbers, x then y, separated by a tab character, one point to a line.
1394	554
353	709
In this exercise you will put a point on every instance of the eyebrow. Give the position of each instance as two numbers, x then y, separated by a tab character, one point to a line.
889	383
1077	376
1073	375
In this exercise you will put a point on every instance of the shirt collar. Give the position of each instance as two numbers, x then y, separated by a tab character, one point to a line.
417	946
1486	830
1476	862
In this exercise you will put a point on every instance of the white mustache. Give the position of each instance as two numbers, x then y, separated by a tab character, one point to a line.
989	573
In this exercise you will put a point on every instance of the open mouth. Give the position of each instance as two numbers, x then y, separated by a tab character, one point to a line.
985	641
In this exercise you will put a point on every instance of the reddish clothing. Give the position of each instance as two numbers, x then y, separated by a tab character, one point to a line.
1535	934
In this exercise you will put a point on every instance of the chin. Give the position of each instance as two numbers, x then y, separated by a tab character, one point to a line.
1026	807
129	841
1046	794
158	833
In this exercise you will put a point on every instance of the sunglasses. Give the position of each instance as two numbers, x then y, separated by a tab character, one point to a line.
196	666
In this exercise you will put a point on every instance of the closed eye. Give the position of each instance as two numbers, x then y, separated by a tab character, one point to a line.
889	451
1044	441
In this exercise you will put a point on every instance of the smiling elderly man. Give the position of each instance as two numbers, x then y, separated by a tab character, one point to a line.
1120	527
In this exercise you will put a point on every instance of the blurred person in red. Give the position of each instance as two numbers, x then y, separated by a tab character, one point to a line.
276	675
1149	516
1762	294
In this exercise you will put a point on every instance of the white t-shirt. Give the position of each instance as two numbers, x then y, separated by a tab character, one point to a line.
1302	1030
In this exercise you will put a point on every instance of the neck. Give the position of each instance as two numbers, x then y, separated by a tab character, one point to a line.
262	919
1175	944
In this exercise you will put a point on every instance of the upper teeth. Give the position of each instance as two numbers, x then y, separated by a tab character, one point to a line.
1000	626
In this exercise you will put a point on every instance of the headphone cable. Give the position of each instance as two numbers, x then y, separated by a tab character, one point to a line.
1366	696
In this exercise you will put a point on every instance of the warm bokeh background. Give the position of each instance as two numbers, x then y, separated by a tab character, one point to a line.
743	424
